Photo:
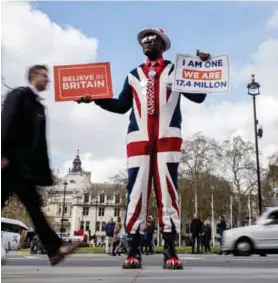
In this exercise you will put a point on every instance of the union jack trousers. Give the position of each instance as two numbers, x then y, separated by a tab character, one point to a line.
153	150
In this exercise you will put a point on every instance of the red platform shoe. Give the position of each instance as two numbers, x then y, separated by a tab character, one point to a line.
134	260
172	263
171	260
132	263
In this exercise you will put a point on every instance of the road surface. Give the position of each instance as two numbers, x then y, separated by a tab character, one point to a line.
107	269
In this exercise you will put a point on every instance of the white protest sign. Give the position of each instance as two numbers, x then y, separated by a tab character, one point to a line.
194	75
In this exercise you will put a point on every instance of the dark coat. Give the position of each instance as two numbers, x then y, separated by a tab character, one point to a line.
221	227
109	229
207	231
23	138
196	227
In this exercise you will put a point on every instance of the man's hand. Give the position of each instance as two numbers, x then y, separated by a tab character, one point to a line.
203	56
84	99
4	162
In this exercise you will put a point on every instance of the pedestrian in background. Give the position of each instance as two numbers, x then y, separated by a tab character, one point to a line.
207	236
149	232
109	233
221	227
116	234
196	229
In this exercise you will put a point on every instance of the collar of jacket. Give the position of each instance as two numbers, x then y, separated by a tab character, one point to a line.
36	93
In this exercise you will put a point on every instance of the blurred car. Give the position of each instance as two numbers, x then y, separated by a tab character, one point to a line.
260	238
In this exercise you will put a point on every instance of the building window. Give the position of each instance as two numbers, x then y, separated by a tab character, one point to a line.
86	198
101	211
117	198
102	198
66	210
87	227
97	226
82	225
85	211
59	209
116	211
103	224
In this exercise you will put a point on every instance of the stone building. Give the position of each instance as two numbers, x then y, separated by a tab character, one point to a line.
86	205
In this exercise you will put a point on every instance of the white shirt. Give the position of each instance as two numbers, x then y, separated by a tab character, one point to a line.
34	89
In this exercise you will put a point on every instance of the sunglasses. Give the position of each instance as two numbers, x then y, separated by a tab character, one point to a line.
149	38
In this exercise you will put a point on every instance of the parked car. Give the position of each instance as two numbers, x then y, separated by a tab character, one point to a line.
260	238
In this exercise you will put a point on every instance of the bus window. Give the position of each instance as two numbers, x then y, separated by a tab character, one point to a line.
8	227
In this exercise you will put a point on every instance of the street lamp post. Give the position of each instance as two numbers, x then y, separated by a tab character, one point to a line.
63	211
212	219
96	207
254	90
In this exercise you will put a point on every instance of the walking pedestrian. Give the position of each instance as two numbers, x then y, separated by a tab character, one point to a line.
116	234
24	157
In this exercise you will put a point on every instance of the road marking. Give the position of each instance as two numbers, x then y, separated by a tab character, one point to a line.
190	258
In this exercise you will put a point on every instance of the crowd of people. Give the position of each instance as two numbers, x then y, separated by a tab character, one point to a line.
201	234
117	240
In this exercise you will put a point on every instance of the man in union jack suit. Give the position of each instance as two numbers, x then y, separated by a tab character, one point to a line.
153	144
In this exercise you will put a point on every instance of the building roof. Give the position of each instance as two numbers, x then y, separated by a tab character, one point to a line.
79	181
107	188
76	164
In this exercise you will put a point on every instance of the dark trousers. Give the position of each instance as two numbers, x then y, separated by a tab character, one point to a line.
148	246
207	244
114	246
194	239
29	196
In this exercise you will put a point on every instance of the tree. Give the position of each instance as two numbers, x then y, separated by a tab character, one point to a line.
199	159
239	165
15	209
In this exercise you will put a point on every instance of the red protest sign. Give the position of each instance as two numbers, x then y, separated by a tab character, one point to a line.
74	81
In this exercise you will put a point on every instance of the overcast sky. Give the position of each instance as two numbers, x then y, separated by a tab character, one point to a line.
56	33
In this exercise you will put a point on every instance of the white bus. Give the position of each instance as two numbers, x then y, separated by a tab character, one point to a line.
11	230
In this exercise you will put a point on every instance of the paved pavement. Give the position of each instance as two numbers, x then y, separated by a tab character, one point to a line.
105	269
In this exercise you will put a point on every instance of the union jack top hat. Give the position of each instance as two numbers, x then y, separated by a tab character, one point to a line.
159	32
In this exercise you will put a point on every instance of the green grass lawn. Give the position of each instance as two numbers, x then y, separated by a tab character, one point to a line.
158	250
